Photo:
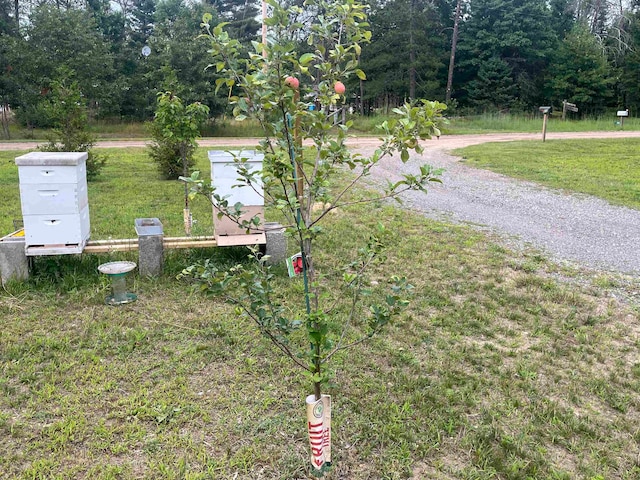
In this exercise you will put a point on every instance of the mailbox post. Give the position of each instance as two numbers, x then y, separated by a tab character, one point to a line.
545	112
568	107
621	115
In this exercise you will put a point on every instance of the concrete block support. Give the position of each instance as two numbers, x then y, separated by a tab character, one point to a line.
13	260
150	246
150	255
276	243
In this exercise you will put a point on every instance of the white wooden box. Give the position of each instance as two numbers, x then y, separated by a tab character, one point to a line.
224	175
60	230
55	205
57	198
45	174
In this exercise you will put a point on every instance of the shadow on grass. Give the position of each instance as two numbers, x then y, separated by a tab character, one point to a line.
68	273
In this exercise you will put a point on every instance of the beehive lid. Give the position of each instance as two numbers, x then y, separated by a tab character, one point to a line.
223	156
51	158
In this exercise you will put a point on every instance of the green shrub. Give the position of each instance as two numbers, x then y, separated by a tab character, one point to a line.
71	133
174	131
167	155
95	161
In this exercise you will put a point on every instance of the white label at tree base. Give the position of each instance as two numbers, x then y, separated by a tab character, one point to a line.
319	429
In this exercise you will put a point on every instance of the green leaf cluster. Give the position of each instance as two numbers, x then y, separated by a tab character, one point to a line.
295	96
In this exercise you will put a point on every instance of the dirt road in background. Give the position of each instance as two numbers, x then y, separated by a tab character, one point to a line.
447	142
568	226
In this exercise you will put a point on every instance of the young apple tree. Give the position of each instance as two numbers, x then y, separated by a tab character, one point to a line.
293	84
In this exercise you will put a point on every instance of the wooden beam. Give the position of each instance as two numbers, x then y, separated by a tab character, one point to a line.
130	244
115	247
194	244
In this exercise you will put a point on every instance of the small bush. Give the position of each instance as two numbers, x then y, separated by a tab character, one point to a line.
71	133
167	156
174	131
95	161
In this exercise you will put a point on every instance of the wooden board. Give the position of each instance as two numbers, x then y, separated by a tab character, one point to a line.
238	240
54	249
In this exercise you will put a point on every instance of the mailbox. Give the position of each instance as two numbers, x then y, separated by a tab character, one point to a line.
545	110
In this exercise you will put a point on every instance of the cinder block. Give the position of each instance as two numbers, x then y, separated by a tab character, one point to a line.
150	246
276	243
13	260
150	255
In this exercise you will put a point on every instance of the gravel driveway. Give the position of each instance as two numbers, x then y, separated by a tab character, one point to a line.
573	227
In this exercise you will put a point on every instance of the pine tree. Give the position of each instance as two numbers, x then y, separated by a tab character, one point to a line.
580	72
518	32
493	89
241	15
404	58
141	21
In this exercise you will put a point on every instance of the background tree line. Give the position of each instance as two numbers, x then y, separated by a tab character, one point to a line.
510	55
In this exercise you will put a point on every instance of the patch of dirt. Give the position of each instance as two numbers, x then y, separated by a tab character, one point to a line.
446	463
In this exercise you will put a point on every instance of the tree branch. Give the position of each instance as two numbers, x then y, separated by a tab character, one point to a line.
265	331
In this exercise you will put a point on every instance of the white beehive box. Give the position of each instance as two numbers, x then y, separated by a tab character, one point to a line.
55	206
225	179
224	175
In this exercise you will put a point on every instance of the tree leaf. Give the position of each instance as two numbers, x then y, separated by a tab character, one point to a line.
306	59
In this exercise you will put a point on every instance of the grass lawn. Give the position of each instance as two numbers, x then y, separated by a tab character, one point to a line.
608	168
533	123
504	366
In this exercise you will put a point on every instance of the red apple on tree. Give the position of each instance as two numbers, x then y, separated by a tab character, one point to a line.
339	88
293	82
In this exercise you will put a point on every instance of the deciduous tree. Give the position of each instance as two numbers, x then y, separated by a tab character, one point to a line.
49	45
